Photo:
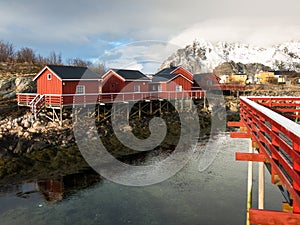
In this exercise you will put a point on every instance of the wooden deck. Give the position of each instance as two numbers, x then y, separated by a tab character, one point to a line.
53	100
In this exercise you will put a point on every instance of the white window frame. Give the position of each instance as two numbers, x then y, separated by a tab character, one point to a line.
80	89
49	76
159	88
178	88
137	88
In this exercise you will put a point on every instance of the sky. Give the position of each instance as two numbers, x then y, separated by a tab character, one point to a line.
126	33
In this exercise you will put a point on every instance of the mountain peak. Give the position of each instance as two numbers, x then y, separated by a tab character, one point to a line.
203	56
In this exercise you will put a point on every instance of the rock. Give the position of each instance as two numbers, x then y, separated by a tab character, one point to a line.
32	130
20	146
38	146
20	133
27	135
36	124
8	127
26	124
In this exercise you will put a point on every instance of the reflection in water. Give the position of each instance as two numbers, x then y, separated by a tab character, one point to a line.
57	189
214	196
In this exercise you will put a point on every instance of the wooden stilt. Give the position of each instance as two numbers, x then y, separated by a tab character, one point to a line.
60	115
159	107
128	111
151	108
140	110
249	185
261	185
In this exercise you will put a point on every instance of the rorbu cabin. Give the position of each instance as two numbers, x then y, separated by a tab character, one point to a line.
172	81
123	80
57	85
205	81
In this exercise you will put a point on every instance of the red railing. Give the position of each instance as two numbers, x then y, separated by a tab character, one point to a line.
278	142
70	99
25	98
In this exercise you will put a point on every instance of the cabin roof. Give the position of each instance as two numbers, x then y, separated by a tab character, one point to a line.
167	70
162	77
166	77
131	74
70	72
201	75
74	72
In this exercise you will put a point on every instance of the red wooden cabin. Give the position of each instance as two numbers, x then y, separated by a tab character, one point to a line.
173	79
57	85
122	80
205	81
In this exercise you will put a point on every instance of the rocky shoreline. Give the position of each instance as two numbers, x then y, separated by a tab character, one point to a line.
43	148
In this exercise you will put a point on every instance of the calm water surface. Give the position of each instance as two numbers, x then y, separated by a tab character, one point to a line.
215	196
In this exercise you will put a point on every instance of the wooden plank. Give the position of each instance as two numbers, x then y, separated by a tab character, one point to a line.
271	217
235	124
239	135
243	156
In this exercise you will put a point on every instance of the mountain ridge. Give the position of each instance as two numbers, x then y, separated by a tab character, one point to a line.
204	56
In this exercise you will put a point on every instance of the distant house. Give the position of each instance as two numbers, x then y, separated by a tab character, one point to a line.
60	80
172	79
239	78
122	80
264	77
205	81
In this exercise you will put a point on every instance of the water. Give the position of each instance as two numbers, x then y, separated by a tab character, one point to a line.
214	196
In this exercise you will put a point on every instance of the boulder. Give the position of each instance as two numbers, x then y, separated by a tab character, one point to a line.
21	146
26	124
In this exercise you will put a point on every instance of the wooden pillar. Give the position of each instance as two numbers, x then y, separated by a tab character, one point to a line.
98	112
261	180
249	184
60	115
159	107
128	111
182	105
76	118
150	107
167	106
140	110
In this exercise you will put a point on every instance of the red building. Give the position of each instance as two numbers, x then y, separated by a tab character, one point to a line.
64	80
173	79
121	80
205	81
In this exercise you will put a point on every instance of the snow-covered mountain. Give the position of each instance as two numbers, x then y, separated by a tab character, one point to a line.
204	56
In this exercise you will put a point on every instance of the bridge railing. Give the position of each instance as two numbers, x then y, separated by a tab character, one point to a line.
287	106
277	137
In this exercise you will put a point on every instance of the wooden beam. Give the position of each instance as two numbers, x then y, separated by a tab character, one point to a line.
239	135
243	156
270	217
235	124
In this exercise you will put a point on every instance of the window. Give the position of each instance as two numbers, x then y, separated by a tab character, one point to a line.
137	88
80	89
159	87
178	88
49	76
153	88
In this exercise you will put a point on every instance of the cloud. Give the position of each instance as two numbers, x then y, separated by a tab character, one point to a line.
88	28
146	56
258	31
